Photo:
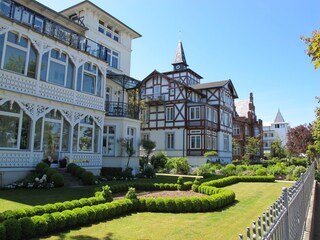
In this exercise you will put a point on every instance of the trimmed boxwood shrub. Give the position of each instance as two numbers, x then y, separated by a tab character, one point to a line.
91	213
71	218
13	229
50	208
59	219
42	167
57	179
2	231
82	216
87	178
40	225
52	224
27	227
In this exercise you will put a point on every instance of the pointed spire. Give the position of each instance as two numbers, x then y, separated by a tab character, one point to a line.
180	58
279	117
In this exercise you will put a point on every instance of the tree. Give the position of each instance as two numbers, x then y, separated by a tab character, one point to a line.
298	139
313	49
148	146
313	151
127	145
252	147
277	150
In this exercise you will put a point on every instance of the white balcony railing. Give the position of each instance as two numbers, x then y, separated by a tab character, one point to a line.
22	84
19	158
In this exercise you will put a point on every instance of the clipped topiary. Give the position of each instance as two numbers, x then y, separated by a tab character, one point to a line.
13	229
57	180
27	227
40	225
87	178
131	194
42	167
2	231
71	218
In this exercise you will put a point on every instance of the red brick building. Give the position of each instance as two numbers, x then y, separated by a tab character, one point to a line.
246	124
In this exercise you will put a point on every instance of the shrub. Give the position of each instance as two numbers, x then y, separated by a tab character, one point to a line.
79	171
41	167
82	216
52	225
50	208
2	231
195	185
230	169
169	204
40	225
68	205
70	217
13	228
91	213
50	173
240	169
204	169
87	178
106	193
149	171
57	180
160	205
261	171
38	210
298	171
70	166
27	227
159	160
59	219
299	161
179	163
131	194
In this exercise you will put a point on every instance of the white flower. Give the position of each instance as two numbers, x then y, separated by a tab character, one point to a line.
36	179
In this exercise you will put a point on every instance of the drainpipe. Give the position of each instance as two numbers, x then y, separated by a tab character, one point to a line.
183	142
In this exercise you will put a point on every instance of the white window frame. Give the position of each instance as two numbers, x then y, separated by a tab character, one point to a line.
169	113
156	91
169	140
236	129
226	145
195	113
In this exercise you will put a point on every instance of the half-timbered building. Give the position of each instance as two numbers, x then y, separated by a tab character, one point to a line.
53	86
245	125
187	118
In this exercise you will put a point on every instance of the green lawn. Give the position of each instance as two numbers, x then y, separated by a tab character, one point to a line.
252	200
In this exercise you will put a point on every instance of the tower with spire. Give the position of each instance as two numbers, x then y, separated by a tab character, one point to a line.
181	71
276	130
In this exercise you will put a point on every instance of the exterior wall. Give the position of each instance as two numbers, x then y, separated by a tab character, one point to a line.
271	133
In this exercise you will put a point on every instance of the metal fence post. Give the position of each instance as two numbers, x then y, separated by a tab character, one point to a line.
286	215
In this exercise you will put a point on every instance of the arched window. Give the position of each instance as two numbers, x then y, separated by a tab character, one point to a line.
20	55
14	127
89	79
57	68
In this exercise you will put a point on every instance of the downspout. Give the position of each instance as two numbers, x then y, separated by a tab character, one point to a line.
183	141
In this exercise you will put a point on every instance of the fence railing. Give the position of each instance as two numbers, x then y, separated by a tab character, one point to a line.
285	219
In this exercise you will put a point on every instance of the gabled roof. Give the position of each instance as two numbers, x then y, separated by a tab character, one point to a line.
155	72
180	56
218	84
87	2
279	117
242	107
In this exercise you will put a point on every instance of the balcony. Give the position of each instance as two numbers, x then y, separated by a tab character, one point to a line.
202	123
121	109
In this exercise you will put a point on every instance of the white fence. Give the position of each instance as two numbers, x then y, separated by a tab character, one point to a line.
286	218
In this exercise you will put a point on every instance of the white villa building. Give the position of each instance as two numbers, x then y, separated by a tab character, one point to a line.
186	118
64	84
278	129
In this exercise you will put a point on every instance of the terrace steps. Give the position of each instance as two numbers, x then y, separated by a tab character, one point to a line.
69	180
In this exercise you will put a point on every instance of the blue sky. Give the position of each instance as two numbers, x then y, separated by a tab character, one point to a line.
254	43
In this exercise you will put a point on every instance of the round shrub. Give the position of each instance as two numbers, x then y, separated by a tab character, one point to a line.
151	205
131	194
82	216
261	172
91	213
52	225
68	205
59	219
230	169
170	204
71	218
40	225
41	167
50	173
59	206
298	171
160	205
70	166
2	231
84	202
13	228
149	171
99	212
9	214
179	205
87	178
76	203
38	210
79	171
27	227
57	180
50	208
74	170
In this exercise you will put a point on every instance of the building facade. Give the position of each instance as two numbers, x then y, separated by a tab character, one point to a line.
53	87
186	118
276	130
246	124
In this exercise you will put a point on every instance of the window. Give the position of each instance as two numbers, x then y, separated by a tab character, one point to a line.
215	116
109	136
113	58
145	115
169	114
195	142
237	150
145	136
194	113
14	127
20	55
89	79
236	130
256	131
5	7
109	31
246	131
156	91
169	141
131	135
86	135
265	135
57	68
226	142
172	89
277	126
143	93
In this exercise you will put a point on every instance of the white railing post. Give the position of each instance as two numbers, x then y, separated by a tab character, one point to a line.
286	215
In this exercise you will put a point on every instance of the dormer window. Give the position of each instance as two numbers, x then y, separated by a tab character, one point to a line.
109	31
